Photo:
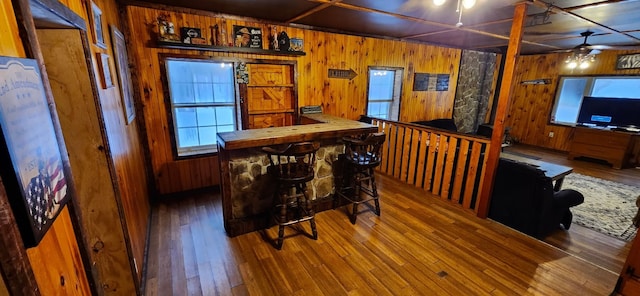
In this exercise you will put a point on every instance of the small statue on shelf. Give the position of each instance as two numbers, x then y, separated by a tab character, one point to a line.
284	43
273	38
166	29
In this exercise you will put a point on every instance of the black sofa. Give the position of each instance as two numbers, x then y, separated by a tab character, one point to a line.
442	123
523	199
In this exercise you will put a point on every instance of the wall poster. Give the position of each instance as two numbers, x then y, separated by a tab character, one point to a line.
35	181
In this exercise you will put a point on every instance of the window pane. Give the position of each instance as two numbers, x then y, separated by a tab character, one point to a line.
188	137
209	90
224	93
380	85
206	116
569	99
207	135
181	93
204	92
225	115
616	88
186	117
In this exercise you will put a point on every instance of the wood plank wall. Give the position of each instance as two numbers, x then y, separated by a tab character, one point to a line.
129	165
339	97
528	115
60	240
126	172
446	164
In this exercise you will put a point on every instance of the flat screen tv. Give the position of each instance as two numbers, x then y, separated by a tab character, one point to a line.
618	112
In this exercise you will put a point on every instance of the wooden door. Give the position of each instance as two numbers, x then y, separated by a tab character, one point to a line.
629	281
269	98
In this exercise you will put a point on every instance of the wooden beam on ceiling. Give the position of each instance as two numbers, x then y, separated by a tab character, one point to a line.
568	11
423	21
314	10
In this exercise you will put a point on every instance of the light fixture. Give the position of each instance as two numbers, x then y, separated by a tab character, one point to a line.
466	4
580	60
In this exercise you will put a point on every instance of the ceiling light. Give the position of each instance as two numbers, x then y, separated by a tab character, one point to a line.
468	3
580	60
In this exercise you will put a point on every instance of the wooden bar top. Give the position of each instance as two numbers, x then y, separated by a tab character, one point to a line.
328	127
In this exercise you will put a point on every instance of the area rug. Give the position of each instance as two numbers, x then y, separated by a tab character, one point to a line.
608	206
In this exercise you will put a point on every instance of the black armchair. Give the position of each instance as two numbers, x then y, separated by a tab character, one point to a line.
523	199
442	123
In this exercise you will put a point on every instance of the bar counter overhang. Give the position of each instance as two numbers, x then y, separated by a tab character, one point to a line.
247	190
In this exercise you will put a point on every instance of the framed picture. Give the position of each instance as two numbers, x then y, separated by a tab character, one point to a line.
628	61
105	71
297	44
192	35
124	75
32	169
96	22
421	82
247	37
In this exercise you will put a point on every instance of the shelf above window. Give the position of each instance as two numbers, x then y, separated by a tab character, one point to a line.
175	45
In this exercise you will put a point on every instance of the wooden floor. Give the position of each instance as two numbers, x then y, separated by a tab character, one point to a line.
419	245
590	245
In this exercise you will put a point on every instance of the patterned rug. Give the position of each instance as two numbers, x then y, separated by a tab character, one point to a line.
608	206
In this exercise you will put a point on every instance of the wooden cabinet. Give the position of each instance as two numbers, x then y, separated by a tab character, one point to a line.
615	147
629	280
270	98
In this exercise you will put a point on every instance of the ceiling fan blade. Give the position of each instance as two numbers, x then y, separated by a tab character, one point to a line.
614	47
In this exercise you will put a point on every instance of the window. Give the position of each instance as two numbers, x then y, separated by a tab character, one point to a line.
383	100
571	90
202	95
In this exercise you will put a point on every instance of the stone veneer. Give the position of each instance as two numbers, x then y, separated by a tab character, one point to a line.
474	89
249	179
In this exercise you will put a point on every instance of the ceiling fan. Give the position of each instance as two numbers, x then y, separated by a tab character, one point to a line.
588	49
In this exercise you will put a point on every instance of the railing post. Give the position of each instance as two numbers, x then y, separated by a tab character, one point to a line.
506	89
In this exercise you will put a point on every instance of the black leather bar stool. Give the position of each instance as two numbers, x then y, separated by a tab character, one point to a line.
362	156
292	167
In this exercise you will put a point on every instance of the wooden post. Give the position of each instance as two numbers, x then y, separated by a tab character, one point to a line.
506	89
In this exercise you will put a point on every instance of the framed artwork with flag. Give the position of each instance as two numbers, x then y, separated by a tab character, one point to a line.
31	170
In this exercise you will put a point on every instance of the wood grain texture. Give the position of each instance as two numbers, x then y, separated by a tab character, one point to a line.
10	44
531	105
56	261
324	51
447	164
127	159
80	117
420	245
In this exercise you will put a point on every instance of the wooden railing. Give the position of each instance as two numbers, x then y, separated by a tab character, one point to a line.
446	164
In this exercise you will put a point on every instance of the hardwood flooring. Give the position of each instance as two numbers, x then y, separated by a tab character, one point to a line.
590	245
420	245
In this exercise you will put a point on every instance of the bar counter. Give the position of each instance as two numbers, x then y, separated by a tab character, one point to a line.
247	190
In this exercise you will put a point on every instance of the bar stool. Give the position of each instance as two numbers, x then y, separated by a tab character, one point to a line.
292	167
361	157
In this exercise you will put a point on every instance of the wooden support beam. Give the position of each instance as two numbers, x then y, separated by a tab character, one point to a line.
506	89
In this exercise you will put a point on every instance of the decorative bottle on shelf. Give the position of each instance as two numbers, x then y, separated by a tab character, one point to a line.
223	34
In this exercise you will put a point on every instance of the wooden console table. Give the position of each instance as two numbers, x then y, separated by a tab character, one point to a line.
616	147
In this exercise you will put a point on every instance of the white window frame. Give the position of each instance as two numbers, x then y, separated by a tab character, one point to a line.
394	108
588	90
201	149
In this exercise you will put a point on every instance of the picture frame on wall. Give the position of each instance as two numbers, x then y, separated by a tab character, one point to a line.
32	170
105	72
244	36
96	23
124	75
628	61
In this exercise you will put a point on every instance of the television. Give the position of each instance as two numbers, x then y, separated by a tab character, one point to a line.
617	112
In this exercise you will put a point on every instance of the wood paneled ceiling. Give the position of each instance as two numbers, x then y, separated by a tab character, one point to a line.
550	26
